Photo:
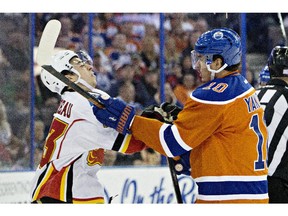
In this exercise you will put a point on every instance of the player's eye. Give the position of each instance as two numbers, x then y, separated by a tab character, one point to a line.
79	63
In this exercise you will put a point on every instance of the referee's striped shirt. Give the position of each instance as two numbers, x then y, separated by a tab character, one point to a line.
274	99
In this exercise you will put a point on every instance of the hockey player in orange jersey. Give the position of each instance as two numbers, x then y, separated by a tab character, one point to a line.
221	125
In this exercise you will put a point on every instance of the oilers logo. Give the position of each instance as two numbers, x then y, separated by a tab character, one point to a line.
218	35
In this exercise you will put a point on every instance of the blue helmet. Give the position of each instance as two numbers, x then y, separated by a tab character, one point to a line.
264	75
221	41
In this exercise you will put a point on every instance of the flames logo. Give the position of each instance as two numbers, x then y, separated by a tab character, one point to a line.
95	157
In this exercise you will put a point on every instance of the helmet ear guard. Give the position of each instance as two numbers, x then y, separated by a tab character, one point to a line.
60	62
51	82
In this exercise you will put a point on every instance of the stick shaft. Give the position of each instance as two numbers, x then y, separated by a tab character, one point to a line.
174	180
282	28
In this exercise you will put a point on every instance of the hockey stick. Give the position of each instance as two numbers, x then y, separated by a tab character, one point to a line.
72	85
282	28
174	180
47	42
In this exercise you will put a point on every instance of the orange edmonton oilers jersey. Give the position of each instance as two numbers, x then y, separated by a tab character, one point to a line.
222	124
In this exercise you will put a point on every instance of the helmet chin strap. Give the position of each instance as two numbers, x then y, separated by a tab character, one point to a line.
103	94
83	82
79	80
213	72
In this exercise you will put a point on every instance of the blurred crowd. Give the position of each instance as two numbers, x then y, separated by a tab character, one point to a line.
125	51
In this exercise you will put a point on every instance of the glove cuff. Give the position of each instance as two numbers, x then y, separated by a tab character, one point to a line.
127	116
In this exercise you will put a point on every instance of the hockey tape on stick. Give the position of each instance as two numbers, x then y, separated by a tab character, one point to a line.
174	180
72	85
47	42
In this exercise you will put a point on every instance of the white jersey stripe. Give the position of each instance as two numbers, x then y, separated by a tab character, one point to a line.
232	197
163	142
179	139
221	102
278	154
268	95
230	178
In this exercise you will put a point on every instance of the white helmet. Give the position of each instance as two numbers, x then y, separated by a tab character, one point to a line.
60	62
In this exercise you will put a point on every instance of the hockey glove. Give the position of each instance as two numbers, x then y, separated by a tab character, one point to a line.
154	112
182	164
165	113
171	111
116	114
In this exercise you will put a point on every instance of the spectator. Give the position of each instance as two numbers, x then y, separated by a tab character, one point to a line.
175	75
250	76
179	30
133	40
76	42
127	159
118	52
103	76
194	35
127	93
5	128
172	57
23	162
183	90
138	65
168	97
49	106
149	52
186	64
151	81
15	149
5	137
149	157
65	35
109	158
126	73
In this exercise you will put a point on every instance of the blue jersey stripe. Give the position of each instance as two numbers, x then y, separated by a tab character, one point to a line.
232	187
174	147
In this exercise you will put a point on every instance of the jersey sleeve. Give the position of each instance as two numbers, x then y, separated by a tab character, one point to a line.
195	123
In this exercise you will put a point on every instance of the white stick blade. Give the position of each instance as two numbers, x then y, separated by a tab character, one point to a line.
47	42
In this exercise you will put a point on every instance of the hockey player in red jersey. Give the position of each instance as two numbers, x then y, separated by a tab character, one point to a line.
221	125
74	148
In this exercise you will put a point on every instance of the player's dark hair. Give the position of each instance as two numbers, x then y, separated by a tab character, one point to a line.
229	68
